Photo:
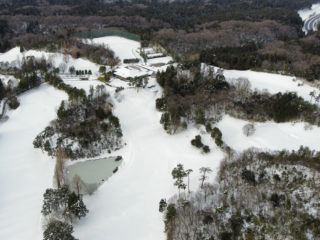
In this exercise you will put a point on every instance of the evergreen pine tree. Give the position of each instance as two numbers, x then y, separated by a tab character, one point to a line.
57	230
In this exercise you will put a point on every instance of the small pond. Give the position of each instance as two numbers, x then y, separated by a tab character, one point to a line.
86	177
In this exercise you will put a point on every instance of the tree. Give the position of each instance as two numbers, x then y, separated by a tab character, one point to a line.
188	171
162	205
59	173
78	183
139	82
102	69
76	207
204	171
178	174
64	203
113	62
197	142
57	230
72	70
312	95
55	200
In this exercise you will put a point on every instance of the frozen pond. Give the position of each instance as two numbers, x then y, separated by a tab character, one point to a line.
86	177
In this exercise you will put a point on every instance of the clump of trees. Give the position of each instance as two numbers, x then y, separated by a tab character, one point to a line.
85	125
61	203
216	134
198	143
61	207
8	97
187	93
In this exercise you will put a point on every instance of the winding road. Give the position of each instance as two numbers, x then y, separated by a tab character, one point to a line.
311	23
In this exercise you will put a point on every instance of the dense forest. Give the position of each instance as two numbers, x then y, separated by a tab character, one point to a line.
270	28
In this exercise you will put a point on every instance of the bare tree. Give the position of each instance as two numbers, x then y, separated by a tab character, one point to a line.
204	171
248	129
242	86
188	171
59	171
113	62
78	183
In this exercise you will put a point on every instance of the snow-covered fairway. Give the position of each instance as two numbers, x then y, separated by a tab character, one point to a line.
25	172
126	207
269	135
274	83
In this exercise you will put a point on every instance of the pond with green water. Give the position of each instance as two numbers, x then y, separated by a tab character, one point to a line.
85	177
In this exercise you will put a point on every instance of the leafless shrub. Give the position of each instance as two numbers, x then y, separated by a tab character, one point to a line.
248	129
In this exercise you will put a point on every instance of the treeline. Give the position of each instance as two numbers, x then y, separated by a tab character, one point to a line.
85	125
257	195
291	58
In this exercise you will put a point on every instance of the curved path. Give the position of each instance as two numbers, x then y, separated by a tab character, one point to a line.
311	23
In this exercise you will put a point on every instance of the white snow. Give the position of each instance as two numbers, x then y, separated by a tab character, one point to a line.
25	172
268	135
59	60
274	83
123	48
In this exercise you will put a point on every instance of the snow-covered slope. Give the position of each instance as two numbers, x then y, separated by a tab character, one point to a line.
269	135
63	62
124	48
25	172
274	83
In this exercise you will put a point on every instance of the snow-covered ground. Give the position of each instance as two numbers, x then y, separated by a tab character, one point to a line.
274	83
63	62
268	135
124	48
25	172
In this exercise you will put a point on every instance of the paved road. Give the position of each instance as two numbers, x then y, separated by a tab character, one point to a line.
310	23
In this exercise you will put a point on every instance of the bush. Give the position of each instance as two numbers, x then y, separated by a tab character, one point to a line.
197	142
162	205
248	176
216	133
13	102
206	149
217	136
248	129
161	104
